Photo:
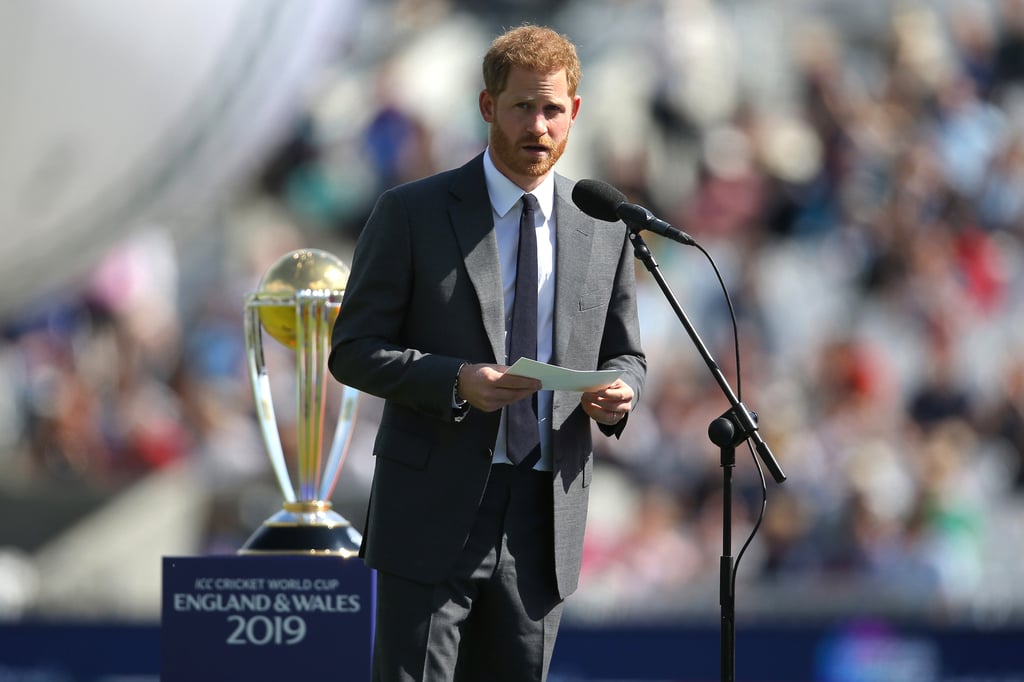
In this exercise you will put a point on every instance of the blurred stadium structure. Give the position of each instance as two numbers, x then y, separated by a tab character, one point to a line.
856	169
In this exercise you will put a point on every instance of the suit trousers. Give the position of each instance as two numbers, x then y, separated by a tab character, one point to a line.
496	616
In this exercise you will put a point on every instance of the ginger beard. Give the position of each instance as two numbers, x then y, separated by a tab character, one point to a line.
508	152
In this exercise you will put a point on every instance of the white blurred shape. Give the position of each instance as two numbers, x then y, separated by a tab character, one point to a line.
116	113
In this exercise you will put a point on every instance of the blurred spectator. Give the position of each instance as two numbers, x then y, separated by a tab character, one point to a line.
1008	60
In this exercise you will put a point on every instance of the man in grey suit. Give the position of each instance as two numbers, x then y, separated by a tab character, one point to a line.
476	539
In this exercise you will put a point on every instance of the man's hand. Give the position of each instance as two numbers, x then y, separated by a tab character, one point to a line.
489	388
608	405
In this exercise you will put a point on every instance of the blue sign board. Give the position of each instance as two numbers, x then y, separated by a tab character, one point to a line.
265	617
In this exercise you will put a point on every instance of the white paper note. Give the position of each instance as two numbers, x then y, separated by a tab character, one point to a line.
562	379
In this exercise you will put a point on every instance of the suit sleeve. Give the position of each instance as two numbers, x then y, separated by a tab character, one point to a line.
368	352
621	346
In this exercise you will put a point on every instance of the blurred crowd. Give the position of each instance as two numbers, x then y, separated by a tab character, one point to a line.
856	172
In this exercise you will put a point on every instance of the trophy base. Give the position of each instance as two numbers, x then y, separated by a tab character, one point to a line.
305	528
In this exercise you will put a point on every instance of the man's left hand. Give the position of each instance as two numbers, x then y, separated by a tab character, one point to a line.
608	405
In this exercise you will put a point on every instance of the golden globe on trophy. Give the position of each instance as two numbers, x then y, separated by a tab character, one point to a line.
296	304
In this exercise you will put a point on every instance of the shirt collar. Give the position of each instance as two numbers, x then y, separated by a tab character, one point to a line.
504	193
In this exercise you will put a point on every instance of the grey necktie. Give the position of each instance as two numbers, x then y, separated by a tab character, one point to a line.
523	435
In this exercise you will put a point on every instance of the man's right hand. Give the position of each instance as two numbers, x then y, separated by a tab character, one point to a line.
490	388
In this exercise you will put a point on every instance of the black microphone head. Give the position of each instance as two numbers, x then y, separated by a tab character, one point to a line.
598	199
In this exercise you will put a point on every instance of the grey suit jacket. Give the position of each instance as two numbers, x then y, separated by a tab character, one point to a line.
424	296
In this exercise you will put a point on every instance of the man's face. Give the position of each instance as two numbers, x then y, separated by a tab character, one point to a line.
529	124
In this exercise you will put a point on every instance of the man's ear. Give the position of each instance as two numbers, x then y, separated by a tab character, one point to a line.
486	106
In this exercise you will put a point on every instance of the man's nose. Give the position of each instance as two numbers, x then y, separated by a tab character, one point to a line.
538	124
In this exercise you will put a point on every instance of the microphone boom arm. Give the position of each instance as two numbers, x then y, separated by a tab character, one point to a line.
743	419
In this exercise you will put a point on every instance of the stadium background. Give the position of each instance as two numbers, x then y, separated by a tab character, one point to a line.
855	169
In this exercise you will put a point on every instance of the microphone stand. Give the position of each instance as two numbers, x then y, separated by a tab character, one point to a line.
737	425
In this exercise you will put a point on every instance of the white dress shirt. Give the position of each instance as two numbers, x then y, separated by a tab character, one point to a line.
506	207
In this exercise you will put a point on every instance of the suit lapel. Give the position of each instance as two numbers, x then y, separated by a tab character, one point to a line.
472	219
573	238
474	229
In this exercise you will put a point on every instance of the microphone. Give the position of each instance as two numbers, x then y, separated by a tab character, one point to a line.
598	199
602	201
